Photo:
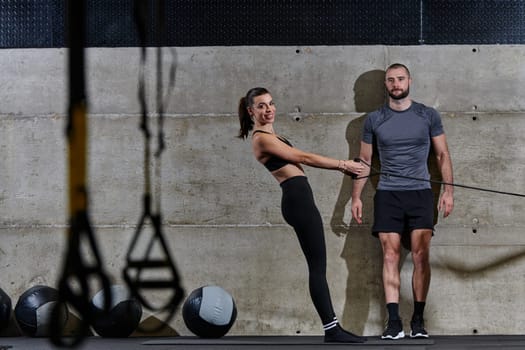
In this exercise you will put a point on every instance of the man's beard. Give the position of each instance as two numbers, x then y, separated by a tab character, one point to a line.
401	96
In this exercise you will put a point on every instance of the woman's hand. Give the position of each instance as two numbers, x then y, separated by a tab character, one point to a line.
353	167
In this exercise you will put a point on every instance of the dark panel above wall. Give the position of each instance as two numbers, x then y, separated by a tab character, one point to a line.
293	22
40	23
474	22
31	23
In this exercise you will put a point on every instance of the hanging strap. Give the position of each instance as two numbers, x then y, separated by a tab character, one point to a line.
135	272
74	286
140	261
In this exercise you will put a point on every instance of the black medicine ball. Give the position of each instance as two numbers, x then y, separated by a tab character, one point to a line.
5	309
123	317
209	312
34	309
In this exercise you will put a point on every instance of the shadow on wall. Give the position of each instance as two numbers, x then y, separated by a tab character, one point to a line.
362	252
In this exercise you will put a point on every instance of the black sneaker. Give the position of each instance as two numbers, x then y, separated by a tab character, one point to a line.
394	330
417	326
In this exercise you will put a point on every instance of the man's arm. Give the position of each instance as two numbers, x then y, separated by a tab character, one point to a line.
446	202
357	187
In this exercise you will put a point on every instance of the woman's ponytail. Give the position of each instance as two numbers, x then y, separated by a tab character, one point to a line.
245	120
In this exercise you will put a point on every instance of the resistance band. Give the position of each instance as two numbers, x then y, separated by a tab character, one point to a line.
77	273
378	172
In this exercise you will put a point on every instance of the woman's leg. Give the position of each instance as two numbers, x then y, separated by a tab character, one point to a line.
299	210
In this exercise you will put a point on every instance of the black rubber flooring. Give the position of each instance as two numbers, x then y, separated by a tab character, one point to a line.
481	342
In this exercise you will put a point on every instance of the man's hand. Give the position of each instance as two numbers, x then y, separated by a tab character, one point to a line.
446	203
357	210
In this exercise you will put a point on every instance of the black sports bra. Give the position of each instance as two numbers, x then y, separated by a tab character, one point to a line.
273	163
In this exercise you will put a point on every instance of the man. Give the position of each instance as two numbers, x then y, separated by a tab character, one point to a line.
404	131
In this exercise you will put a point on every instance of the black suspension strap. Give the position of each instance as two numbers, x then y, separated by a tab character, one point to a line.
377	172
148	268
80	274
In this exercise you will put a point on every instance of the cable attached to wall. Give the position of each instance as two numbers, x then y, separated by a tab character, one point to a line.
154	256
81	273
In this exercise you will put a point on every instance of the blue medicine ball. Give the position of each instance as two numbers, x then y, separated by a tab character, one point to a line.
34	309
209	312
121	319
5	309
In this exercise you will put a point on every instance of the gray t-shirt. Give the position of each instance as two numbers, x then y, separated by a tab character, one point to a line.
403	141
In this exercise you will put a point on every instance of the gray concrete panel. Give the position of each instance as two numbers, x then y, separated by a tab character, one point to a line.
318	79
205	163
222	209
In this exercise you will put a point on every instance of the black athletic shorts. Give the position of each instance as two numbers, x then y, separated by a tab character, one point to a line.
403	211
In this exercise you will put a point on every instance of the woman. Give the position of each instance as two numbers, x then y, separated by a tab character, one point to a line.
257	113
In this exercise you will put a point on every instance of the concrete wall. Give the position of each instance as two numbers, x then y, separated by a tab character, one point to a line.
221	208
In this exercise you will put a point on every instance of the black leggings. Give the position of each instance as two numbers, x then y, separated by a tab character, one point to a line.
299	210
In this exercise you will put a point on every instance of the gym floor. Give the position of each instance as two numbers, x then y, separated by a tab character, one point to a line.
488	342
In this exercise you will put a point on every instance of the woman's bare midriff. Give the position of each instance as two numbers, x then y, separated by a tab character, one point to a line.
286	172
